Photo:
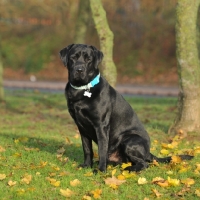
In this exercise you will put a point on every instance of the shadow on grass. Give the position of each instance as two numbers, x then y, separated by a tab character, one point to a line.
73	151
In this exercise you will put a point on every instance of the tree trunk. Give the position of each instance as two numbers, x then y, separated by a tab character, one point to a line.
106	40
82	21
1	80
188	117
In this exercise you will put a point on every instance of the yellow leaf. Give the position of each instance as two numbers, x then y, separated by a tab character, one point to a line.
183	169
20	191
197	150
170	172
97	193
113	186
2	149
156	179
173	182
56	183
128	174
155	163
53	181
2	177
23	139
26	179
113	172
67	140
66	193
125	165
164	151
75	182
12	183
188	181
37	173
85	197
176	159
88	174
197	192
43	164
198	166
142	181
55	168
158	194
121	177
163	183
114	180
77	136
17	155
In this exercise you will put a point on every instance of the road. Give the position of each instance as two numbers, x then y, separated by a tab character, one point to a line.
125	89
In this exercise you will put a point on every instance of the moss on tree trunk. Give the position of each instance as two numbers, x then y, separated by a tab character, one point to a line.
106	40
188	117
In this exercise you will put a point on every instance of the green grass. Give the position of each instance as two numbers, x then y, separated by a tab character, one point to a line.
36	127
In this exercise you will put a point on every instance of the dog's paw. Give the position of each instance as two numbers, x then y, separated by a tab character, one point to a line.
85	165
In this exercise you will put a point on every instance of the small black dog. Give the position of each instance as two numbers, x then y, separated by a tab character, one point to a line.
102	114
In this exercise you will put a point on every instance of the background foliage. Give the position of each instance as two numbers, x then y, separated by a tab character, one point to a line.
144	45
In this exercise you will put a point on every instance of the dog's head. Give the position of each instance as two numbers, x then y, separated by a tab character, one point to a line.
82	62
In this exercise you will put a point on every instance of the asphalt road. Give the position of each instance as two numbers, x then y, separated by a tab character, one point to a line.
123	89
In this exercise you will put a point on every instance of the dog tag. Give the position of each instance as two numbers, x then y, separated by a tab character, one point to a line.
87	94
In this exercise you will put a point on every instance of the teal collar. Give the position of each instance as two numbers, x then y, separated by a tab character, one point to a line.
94	82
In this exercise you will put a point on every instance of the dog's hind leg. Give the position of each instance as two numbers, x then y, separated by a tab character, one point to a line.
136	149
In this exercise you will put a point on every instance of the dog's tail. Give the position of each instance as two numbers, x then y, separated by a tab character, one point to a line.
169	158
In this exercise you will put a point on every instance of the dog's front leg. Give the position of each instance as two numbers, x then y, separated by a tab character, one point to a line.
88	152
102	149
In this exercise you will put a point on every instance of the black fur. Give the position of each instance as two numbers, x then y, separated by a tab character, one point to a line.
105	118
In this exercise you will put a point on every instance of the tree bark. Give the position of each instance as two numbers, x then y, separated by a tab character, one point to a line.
82	21
1	80
188	117
106	41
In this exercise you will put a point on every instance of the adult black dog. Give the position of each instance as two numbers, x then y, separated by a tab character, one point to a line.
102	114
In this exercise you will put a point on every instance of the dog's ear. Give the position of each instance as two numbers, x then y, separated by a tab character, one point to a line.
64	54
98	54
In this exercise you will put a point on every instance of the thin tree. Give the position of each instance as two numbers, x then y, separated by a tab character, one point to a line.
188	117
82	21
106	40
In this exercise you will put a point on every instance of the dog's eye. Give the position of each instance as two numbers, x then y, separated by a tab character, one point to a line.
88	59
73	57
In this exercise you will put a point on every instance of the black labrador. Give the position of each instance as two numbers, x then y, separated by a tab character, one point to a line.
102	114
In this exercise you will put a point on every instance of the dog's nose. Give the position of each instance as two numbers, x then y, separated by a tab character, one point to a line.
79	70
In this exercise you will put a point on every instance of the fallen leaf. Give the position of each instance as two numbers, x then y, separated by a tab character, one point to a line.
113	186
188	181
173	182
164	151
2	177
66	193
121	177
176	159
85	197
158	194
155	163
12	183
75	182
113	172
20	191
197	192
142	181
26	179
128	174
125	165
77	136
61	150
88	174
97	193
2	149
114	180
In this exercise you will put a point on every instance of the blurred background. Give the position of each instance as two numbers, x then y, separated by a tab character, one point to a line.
33	32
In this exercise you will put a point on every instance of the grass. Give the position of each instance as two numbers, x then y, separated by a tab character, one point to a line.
40	150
